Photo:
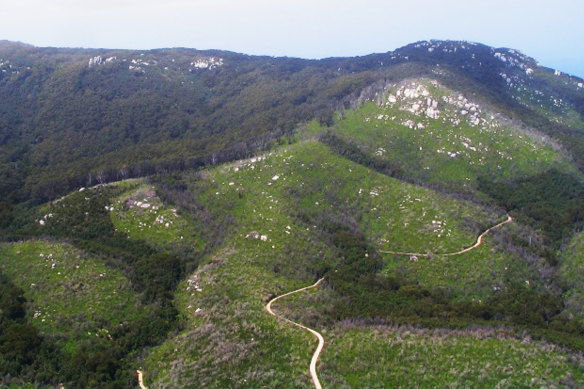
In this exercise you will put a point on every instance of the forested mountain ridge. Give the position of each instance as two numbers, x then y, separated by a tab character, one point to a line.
76	117
131	112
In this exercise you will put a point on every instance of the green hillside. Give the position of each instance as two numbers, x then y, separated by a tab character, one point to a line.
141	215
79	117
570	274
360	354
282	238
70	294
96	295
263	226
409	357
153	203
423	132
443	138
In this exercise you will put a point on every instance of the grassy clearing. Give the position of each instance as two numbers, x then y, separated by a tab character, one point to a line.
382	357
473	275
141	215
70	294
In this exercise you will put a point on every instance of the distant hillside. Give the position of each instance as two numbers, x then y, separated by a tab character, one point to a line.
77	117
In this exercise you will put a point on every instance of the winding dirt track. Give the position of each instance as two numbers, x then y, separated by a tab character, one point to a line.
141	379
320	346
474	246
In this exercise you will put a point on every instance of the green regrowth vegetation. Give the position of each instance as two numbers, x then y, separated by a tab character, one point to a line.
473	275
382	357
274	223
228	335
70	294
278	214
141	215
434	135
571	276
123	306
317	183
229	340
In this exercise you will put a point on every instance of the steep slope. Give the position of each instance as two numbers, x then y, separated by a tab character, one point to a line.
506	75
435	135
76	117
125	113
424	132
570	275
516	85
285	229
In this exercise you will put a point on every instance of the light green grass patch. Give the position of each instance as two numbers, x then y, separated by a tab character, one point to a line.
452	149
571	274
473	275
68	292
382	357
141	215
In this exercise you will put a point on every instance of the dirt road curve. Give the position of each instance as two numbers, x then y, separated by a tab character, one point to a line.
480	238
474	246
313	332
320	346
141	379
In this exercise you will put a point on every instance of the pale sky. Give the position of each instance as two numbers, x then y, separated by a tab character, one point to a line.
550	31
